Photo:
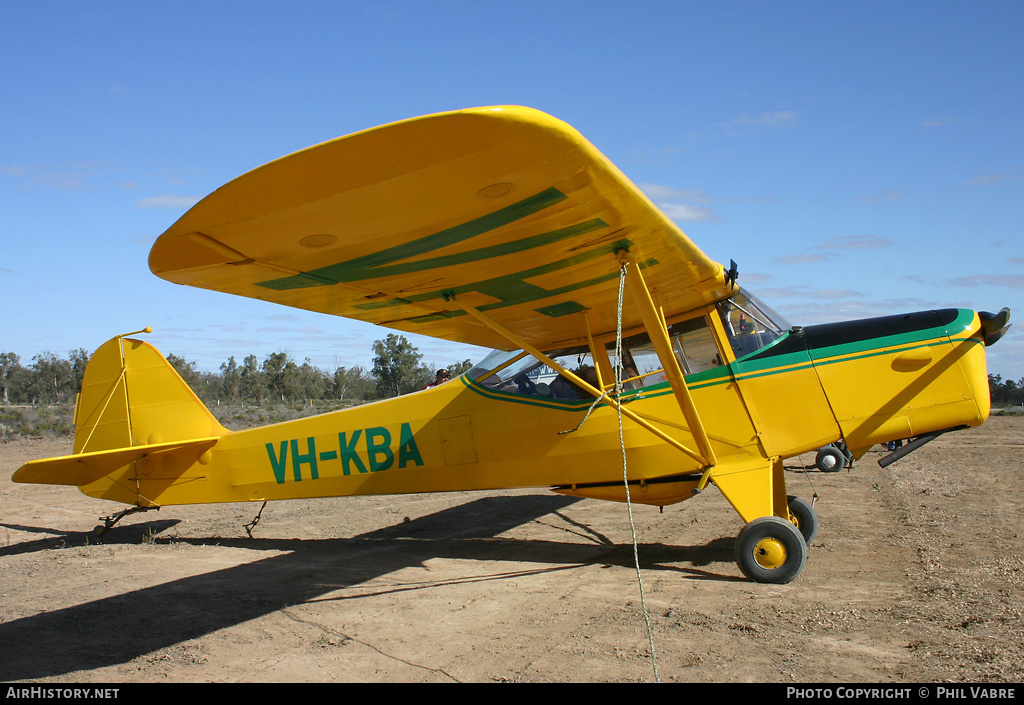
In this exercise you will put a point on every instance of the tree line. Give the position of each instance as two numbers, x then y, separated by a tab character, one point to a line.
1006	391
397	369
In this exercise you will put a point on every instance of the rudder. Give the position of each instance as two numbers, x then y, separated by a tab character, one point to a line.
132	396
138	428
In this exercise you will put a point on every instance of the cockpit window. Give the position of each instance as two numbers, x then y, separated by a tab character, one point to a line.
750	324
494	360
520	373
692	342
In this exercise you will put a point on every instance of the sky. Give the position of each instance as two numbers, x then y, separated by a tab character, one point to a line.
854	158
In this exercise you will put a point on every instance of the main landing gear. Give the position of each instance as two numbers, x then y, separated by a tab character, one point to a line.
774	550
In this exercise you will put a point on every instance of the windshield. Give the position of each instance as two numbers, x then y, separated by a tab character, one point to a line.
749	323
518	372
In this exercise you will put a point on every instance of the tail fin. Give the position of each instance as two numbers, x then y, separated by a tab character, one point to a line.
133	406
131	396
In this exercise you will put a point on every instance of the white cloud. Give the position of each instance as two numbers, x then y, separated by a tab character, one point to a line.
806	292
682	212
829	310
804	258
891	195
755	278
855	242
659	192
751	124
990	179
832	248
1005	356
680	205
1013	281
68	176
938	122
167	201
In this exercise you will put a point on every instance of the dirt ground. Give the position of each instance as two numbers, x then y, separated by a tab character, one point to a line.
917	575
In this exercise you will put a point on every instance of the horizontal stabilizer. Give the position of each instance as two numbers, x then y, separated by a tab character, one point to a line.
83	468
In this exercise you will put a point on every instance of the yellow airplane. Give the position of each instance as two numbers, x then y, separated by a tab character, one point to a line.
626	363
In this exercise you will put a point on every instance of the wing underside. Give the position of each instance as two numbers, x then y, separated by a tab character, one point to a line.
506	209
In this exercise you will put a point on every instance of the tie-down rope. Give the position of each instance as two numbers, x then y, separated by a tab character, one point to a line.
625	476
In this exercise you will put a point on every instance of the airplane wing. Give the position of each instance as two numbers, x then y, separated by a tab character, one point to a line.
506	208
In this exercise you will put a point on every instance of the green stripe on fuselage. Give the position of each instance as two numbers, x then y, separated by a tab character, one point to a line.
882	344
762	362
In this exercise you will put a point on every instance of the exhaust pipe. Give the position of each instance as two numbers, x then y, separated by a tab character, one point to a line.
914	445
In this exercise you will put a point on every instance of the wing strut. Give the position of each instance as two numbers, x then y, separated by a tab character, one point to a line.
590	389
658	333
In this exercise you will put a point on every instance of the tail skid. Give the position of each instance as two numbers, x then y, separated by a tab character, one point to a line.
136	423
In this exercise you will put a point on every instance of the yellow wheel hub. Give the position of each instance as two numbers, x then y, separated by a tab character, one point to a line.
769	553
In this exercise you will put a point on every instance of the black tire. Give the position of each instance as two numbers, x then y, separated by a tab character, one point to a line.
806	517
771	550
830	459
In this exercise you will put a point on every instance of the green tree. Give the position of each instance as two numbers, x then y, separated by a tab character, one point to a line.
352	383
252	384
231	379
279	371
396	367
1006	392
24	388
79	360
211	387
186	370
206	385
310	381
457	368
53	378
9	366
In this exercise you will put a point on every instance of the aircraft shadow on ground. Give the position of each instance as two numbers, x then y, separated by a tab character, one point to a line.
117	629
124	535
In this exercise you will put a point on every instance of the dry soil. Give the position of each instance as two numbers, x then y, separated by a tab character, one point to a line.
917	575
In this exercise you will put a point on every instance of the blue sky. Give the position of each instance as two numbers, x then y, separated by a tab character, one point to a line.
855	158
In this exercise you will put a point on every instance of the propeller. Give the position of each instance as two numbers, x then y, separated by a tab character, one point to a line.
994	325
733	274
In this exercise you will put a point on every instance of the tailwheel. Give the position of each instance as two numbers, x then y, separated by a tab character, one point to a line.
804	517
771	550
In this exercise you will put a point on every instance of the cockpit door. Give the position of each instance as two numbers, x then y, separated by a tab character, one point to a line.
776	378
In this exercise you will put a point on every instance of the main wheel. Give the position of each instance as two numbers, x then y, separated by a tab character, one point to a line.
806	517
830	459
771	550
